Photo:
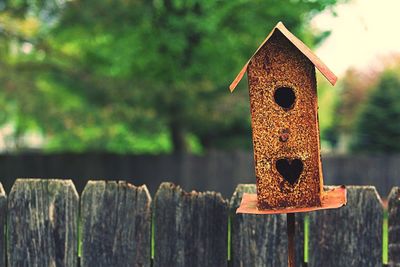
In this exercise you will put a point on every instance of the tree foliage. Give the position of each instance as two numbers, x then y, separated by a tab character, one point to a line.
377	129
135	75
351	93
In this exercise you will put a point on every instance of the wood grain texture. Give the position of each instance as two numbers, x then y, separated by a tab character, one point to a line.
191	229
3	214
261	240
351	235
394	227
116	225
43	223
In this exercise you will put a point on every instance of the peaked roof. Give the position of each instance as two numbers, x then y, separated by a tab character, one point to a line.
329	75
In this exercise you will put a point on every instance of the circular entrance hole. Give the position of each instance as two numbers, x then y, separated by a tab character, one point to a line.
285	97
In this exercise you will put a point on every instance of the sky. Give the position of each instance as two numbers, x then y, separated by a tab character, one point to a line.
363	33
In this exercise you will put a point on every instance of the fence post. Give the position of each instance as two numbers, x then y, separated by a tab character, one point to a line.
191	229
261	240
3	209
394	227
116	224
351	235
42	223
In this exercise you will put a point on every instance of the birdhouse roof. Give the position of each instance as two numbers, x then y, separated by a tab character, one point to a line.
329	75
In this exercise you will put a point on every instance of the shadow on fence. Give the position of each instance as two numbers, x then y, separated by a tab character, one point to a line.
189	228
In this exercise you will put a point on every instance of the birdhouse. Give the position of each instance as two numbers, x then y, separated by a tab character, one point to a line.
284	118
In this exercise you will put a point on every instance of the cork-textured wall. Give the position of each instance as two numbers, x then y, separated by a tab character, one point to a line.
284	137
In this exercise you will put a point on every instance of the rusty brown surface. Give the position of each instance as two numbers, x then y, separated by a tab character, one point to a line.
329	75
331	199
297	125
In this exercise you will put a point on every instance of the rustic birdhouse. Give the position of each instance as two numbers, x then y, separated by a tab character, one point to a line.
284	118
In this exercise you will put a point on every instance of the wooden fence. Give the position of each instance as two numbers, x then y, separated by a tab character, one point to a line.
215	170
118	224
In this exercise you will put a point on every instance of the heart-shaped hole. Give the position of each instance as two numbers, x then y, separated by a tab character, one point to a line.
290	169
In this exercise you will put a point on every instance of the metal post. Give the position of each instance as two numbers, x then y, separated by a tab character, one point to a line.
291	219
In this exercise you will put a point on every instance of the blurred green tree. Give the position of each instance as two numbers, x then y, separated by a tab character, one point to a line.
134	75
352	92
377	129
328	98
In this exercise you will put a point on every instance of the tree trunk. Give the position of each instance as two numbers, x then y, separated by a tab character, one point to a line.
177	137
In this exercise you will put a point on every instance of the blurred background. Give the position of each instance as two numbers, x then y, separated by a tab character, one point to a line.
138	90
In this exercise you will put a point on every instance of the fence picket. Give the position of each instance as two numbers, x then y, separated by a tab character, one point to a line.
3	208
116	224
260	240
351	235
191	229
394	227
42	223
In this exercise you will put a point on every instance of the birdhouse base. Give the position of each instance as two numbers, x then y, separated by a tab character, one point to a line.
331	199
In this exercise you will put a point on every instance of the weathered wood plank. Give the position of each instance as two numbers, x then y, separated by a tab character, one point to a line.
3	208
261	240
116	225
351	235
394	227
42	223
191	229
299	239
